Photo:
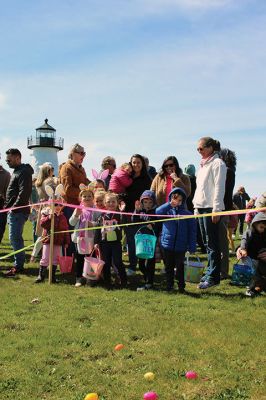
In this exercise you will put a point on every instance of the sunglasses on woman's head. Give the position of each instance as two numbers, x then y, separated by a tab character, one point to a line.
169	165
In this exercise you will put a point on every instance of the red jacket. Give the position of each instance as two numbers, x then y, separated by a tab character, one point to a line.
119	181
60	224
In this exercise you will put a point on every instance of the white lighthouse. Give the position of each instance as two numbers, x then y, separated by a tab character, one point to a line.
45	146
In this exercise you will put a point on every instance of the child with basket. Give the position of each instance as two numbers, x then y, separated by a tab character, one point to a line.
253	245
178	237
82	218
60	239
109	240
144	208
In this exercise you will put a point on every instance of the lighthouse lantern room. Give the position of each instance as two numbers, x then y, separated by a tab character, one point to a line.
45	146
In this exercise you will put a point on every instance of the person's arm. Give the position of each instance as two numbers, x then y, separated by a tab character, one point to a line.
219	178
124	179
66	178
163	209
24	189
192	235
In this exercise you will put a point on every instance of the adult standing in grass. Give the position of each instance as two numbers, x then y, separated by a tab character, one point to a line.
240	198
18	194
229	158
71	175
209	198
4	182
141	182
169	177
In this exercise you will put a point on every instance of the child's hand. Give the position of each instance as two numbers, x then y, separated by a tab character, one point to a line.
149	226
138	206
122	206
78	212
241	253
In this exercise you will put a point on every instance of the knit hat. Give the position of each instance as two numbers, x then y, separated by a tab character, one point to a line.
190	170
148	194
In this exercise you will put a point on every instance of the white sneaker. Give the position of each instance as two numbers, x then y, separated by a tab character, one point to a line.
78	283
148	286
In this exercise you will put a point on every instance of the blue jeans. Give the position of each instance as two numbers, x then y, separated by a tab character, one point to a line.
210	231
16	223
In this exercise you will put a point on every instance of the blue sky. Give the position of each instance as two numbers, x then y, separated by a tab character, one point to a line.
146	76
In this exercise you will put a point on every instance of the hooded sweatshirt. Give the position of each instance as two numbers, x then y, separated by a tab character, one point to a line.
19	188
253	241
178	235
147	215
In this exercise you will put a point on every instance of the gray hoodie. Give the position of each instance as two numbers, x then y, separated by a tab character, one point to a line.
252	241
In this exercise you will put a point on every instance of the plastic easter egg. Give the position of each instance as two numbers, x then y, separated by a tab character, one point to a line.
119	346
191	375
150	396
92	396
149	376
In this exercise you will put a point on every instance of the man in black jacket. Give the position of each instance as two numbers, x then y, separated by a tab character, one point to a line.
17	195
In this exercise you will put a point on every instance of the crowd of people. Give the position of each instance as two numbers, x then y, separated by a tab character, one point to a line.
180	208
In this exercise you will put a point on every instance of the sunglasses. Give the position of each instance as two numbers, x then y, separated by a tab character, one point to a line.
82	153
169	165
201	148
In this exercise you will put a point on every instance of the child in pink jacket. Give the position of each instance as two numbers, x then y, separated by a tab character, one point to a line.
121	179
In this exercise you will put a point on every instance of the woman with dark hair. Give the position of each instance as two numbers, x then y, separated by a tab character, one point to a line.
169	177
229	158
141	182
209	198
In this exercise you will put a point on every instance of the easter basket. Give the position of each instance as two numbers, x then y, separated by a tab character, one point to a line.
193	270
93	266
145	244
243	272
65	263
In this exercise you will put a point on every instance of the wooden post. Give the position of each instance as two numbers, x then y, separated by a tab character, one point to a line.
51	255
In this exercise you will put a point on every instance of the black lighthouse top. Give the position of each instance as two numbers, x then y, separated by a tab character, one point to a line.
45	137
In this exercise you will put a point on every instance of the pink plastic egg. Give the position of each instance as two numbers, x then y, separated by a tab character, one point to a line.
150	396
191	375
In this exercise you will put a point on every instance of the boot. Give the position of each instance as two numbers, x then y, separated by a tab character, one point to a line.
54	280
42	273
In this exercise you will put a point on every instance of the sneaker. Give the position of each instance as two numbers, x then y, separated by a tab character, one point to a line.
131	272
252	293
11	273
148	286
207	285
78	282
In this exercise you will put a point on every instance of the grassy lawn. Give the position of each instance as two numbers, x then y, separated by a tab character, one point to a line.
62	347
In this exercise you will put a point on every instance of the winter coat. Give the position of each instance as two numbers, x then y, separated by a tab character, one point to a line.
4	181
252	241
60	224
71	176
240	200
178	235
119	181
110	233
75	220
19	188
134	191
158	186
210	190
147	215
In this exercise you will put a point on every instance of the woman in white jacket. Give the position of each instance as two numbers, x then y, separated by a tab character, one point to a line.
209	198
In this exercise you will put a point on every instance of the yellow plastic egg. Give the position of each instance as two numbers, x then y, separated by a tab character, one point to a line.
92	396
149	376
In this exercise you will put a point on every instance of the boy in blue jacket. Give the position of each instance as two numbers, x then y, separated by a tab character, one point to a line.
178	237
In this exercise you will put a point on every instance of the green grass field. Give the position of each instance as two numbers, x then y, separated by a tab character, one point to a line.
62	346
